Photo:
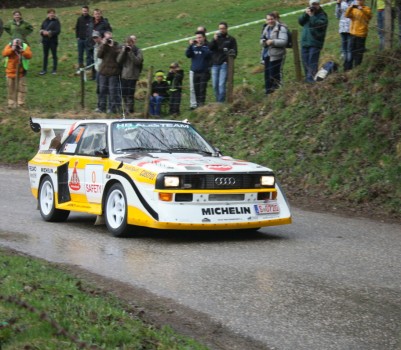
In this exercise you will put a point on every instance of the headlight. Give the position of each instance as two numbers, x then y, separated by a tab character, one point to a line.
267	180
171	181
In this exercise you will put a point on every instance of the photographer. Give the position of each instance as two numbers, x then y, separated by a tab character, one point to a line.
109	72
174	77
200	54
131	60
360	16
314	22
221	45
17	55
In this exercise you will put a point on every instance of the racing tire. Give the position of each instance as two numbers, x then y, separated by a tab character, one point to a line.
116	211
46	199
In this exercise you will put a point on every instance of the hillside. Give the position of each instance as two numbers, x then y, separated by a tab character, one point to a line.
335	145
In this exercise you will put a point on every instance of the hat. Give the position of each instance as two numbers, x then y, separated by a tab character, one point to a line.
95	34
311	2
159	74
174	65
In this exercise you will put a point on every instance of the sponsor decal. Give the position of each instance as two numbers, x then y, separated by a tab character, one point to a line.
148	174
94	182
32	168
226	211
93	188
219	167
74	183
47	170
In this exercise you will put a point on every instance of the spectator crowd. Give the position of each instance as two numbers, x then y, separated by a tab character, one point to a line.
116	67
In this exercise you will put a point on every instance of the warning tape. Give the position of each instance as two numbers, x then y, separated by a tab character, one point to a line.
231	28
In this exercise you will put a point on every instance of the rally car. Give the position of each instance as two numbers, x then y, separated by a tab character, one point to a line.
159	174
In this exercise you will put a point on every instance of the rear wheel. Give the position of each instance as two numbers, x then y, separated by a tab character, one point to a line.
46	203
116	211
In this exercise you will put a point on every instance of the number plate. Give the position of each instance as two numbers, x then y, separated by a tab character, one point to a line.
267	209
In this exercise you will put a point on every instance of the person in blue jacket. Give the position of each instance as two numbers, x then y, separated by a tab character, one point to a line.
199	53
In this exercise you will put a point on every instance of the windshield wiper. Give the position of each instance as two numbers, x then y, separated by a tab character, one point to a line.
190	150
133	149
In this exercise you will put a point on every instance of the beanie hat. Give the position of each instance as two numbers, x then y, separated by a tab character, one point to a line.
159	74
311	2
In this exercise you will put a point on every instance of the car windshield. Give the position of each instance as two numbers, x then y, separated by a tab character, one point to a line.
142	136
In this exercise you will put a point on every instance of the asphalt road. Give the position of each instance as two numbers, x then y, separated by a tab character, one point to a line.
324	282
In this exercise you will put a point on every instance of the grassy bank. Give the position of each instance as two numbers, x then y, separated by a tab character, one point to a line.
44	308
336	142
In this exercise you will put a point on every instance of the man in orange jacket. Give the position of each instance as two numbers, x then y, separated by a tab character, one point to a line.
360	16
17	55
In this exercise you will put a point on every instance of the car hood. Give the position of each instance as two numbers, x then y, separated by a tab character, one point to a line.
189	162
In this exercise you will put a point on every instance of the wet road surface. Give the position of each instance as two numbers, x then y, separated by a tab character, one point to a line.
324	282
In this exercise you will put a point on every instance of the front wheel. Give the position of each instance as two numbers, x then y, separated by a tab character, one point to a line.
46	203
116	211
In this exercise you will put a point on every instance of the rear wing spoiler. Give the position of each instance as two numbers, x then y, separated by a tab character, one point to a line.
53	132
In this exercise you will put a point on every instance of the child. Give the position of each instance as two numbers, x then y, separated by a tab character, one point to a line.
17	55
159	92
175	77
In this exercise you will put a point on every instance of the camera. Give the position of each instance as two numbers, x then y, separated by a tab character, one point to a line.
127	48
109	41
195	42
311	9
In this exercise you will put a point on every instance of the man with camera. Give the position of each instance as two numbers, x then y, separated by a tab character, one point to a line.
360	16
221	46
314	22
17	55
109	75
200	54
130	59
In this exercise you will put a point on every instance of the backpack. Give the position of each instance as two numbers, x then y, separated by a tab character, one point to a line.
289	34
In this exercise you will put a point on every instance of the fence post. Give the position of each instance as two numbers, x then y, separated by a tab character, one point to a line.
148	91
297	60
81	74
230	76
388	26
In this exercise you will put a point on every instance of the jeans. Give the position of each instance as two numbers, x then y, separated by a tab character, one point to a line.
272	75
50	46
175	101
83	48
109	93
310	60
156	105
358	49
346	49
128	92
219	80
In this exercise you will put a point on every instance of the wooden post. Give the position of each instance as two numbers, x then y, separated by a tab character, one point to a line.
81	74
148	91
388	26
230	76
297	60
17	80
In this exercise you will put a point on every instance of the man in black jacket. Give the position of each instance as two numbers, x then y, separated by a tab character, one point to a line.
81	33
221	46
50	31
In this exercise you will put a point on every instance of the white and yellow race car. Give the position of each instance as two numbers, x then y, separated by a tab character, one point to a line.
159	174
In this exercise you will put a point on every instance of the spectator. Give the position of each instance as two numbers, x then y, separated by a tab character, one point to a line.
159	92
97	40
131	60
343	29
17	55
314	22
109	75
199	53
192	95
221	46
380	20
18	28
175	77
274	40
360	16
98	24
50	31
83	34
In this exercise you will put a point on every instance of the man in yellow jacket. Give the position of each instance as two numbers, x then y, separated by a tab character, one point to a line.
17	55
360	16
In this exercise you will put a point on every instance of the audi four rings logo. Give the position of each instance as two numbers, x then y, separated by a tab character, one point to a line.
224	181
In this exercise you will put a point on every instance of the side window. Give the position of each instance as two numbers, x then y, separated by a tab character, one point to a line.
93	140
71	143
